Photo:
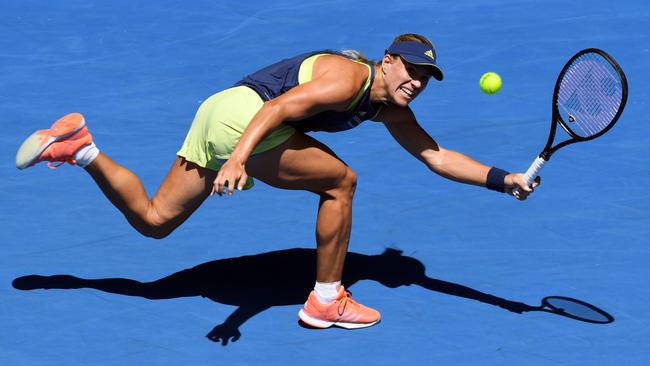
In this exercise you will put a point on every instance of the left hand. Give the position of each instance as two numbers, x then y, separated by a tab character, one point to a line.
224	333
516	180
231	176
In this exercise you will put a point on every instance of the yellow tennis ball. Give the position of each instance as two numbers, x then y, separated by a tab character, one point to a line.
490	82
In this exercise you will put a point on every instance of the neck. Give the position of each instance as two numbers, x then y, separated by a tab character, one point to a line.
378	92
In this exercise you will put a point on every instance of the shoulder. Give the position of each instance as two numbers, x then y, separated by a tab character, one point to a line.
335	82
341	69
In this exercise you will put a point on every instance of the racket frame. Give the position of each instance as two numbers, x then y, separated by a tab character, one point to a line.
548	307
556	118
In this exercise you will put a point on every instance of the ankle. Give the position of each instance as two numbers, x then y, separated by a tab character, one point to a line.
86	155
327	292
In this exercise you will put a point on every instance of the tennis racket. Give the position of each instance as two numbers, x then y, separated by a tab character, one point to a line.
574	309
589	97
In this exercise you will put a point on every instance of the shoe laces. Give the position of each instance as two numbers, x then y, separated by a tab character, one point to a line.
54	166
347	298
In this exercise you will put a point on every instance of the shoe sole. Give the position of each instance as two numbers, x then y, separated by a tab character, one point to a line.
316	323
35	144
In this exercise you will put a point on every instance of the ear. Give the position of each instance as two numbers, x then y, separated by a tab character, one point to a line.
386	63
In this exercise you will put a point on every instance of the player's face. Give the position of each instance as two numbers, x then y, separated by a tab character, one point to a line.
405	81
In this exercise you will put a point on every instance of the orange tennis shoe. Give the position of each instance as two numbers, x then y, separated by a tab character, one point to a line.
342	312
59	143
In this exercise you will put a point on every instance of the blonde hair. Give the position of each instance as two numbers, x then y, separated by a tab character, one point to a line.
412	37
359	56
406	37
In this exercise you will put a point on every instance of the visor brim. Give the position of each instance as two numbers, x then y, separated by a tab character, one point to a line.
436	72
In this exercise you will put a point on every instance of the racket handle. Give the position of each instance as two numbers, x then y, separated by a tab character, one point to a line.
534	169
532	172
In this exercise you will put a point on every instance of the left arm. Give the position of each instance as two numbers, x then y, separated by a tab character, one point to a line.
402	125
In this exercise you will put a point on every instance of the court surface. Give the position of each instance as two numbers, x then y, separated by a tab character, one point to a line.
435	257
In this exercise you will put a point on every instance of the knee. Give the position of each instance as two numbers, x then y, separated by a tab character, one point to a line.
155	227
154	232
347	184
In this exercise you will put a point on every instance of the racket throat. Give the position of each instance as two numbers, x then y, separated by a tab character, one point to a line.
546	155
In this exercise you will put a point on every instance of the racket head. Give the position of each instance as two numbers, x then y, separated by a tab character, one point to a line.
590	94
576	309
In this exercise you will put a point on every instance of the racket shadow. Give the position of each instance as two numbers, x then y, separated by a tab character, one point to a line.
243	282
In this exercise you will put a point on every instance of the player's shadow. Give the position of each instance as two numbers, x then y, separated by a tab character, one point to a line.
257	282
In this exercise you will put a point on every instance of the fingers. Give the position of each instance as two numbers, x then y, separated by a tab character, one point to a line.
231	187
242	181
524	189
230	177
222	185
520	194
519	188
218	184
537	182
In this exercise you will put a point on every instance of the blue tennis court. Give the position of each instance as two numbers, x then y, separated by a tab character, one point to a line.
449	266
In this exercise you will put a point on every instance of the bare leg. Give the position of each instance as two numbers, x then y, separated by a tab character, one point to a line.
180	194
306	164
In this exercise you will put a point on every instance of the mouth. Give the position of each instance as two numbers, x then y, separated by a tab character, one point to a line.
408	93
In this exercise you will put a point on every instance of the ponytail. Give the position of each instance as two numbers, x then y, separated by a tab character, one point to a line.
358	56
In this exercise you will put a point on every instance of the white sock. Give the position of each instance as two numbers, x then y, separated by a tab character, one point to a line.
86	155
327	292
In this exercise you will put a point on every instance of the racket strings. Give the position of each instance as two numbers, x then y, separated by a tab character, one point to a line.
590	95
577	309
587	97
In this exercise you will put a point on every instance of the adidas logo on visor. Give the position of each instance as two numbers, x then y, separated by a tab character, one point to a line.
430	54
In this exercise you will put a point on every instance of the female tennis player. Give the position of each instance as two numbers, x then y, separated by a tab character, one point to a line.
258	129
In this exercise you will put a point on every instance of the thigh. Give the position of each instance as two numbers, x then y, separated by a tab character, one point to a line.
301	163
185	187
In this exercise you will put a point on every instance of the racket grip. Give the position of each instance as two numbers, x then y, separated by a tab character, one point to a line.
534	169
532	172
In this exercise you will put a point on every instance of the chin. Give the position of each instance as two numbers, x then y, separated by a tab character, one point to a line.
400	101
403	102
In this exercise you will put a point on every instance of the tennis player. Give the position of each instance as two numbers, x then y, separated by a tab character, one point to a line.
257	129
